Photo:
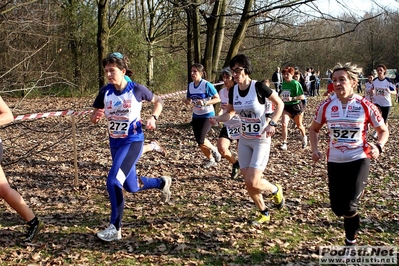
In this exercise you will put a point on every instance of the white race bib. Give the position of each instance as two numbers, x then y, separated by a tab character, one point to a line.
285	96
345	133
118	126
233	127
251	128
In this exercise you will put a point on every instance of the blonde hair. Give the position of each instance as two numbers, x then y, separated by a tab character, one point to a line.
351	69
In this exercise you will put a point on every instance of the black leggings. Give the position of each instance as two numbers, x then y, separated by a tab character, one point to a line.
385	110
346	182
201	127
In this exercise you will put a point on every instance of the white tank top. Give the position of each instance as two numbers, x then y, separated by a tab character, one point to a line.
251	113
199	93
224	97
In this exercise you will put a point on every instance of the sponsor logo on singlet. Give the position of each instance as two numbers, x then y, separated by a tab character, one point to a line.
127	103
334	111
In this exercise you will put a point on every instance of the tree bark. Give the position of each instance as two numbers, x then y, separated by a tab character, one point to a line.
102	38
239	34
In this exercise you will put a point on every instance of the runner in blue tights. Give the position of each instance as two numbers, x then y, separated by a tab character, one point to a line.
120	102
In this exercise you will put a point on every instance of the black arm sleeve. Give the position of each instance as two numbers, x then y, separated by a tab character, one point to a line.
99	101
262	91
231	95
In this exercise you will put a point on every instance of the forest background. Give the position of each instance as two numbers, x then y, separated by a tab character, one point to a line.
55	47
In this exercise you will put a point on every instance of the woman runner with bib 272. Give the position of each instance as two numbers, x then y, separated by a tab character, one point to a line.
347	116
247	99
120	102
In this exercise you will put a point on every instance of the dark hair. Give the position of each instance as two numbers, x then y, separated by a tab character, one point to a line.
290	70
242	60
383	67
119	60
200	68
226	71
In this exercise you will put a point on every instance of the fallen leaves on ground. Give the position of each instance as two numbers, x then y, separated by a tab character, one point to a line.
207	220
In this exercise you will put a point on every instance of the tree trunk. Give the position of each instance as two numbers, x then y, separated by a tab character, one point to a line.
102	38
211	26
150	65
219	35
239	34
189	42
196	31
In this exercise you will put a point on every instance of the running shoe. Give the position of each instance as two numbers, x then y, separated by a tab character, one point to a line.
350	251
110	234
33	230
283	146
263	218
210	163
304	142
217	156
235	171
350	242
158	148
166	188
278	198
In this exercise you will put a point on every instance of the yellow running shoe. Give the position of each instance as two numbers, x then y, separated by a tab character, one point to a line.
263	218
278	198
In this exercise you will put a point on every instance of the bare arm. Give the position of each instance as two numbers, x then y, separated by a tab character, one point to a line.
279	106
314	139
158	106
278	111
215	99
230	112
6	115
383	135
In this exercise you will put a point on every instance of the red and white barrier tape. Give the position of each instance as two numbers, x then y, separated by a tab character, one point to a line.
169	95
76	113
50	114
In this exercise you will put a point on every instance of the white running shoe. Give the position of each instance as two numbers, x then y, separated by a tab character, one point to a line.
304	142
283	146
110	234
157	147
166	188
217	156
209	163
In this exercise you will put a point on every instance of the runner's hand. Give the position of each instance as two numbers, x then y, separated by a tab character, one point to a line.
269	130
97	115
316	156
374	151
150	123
